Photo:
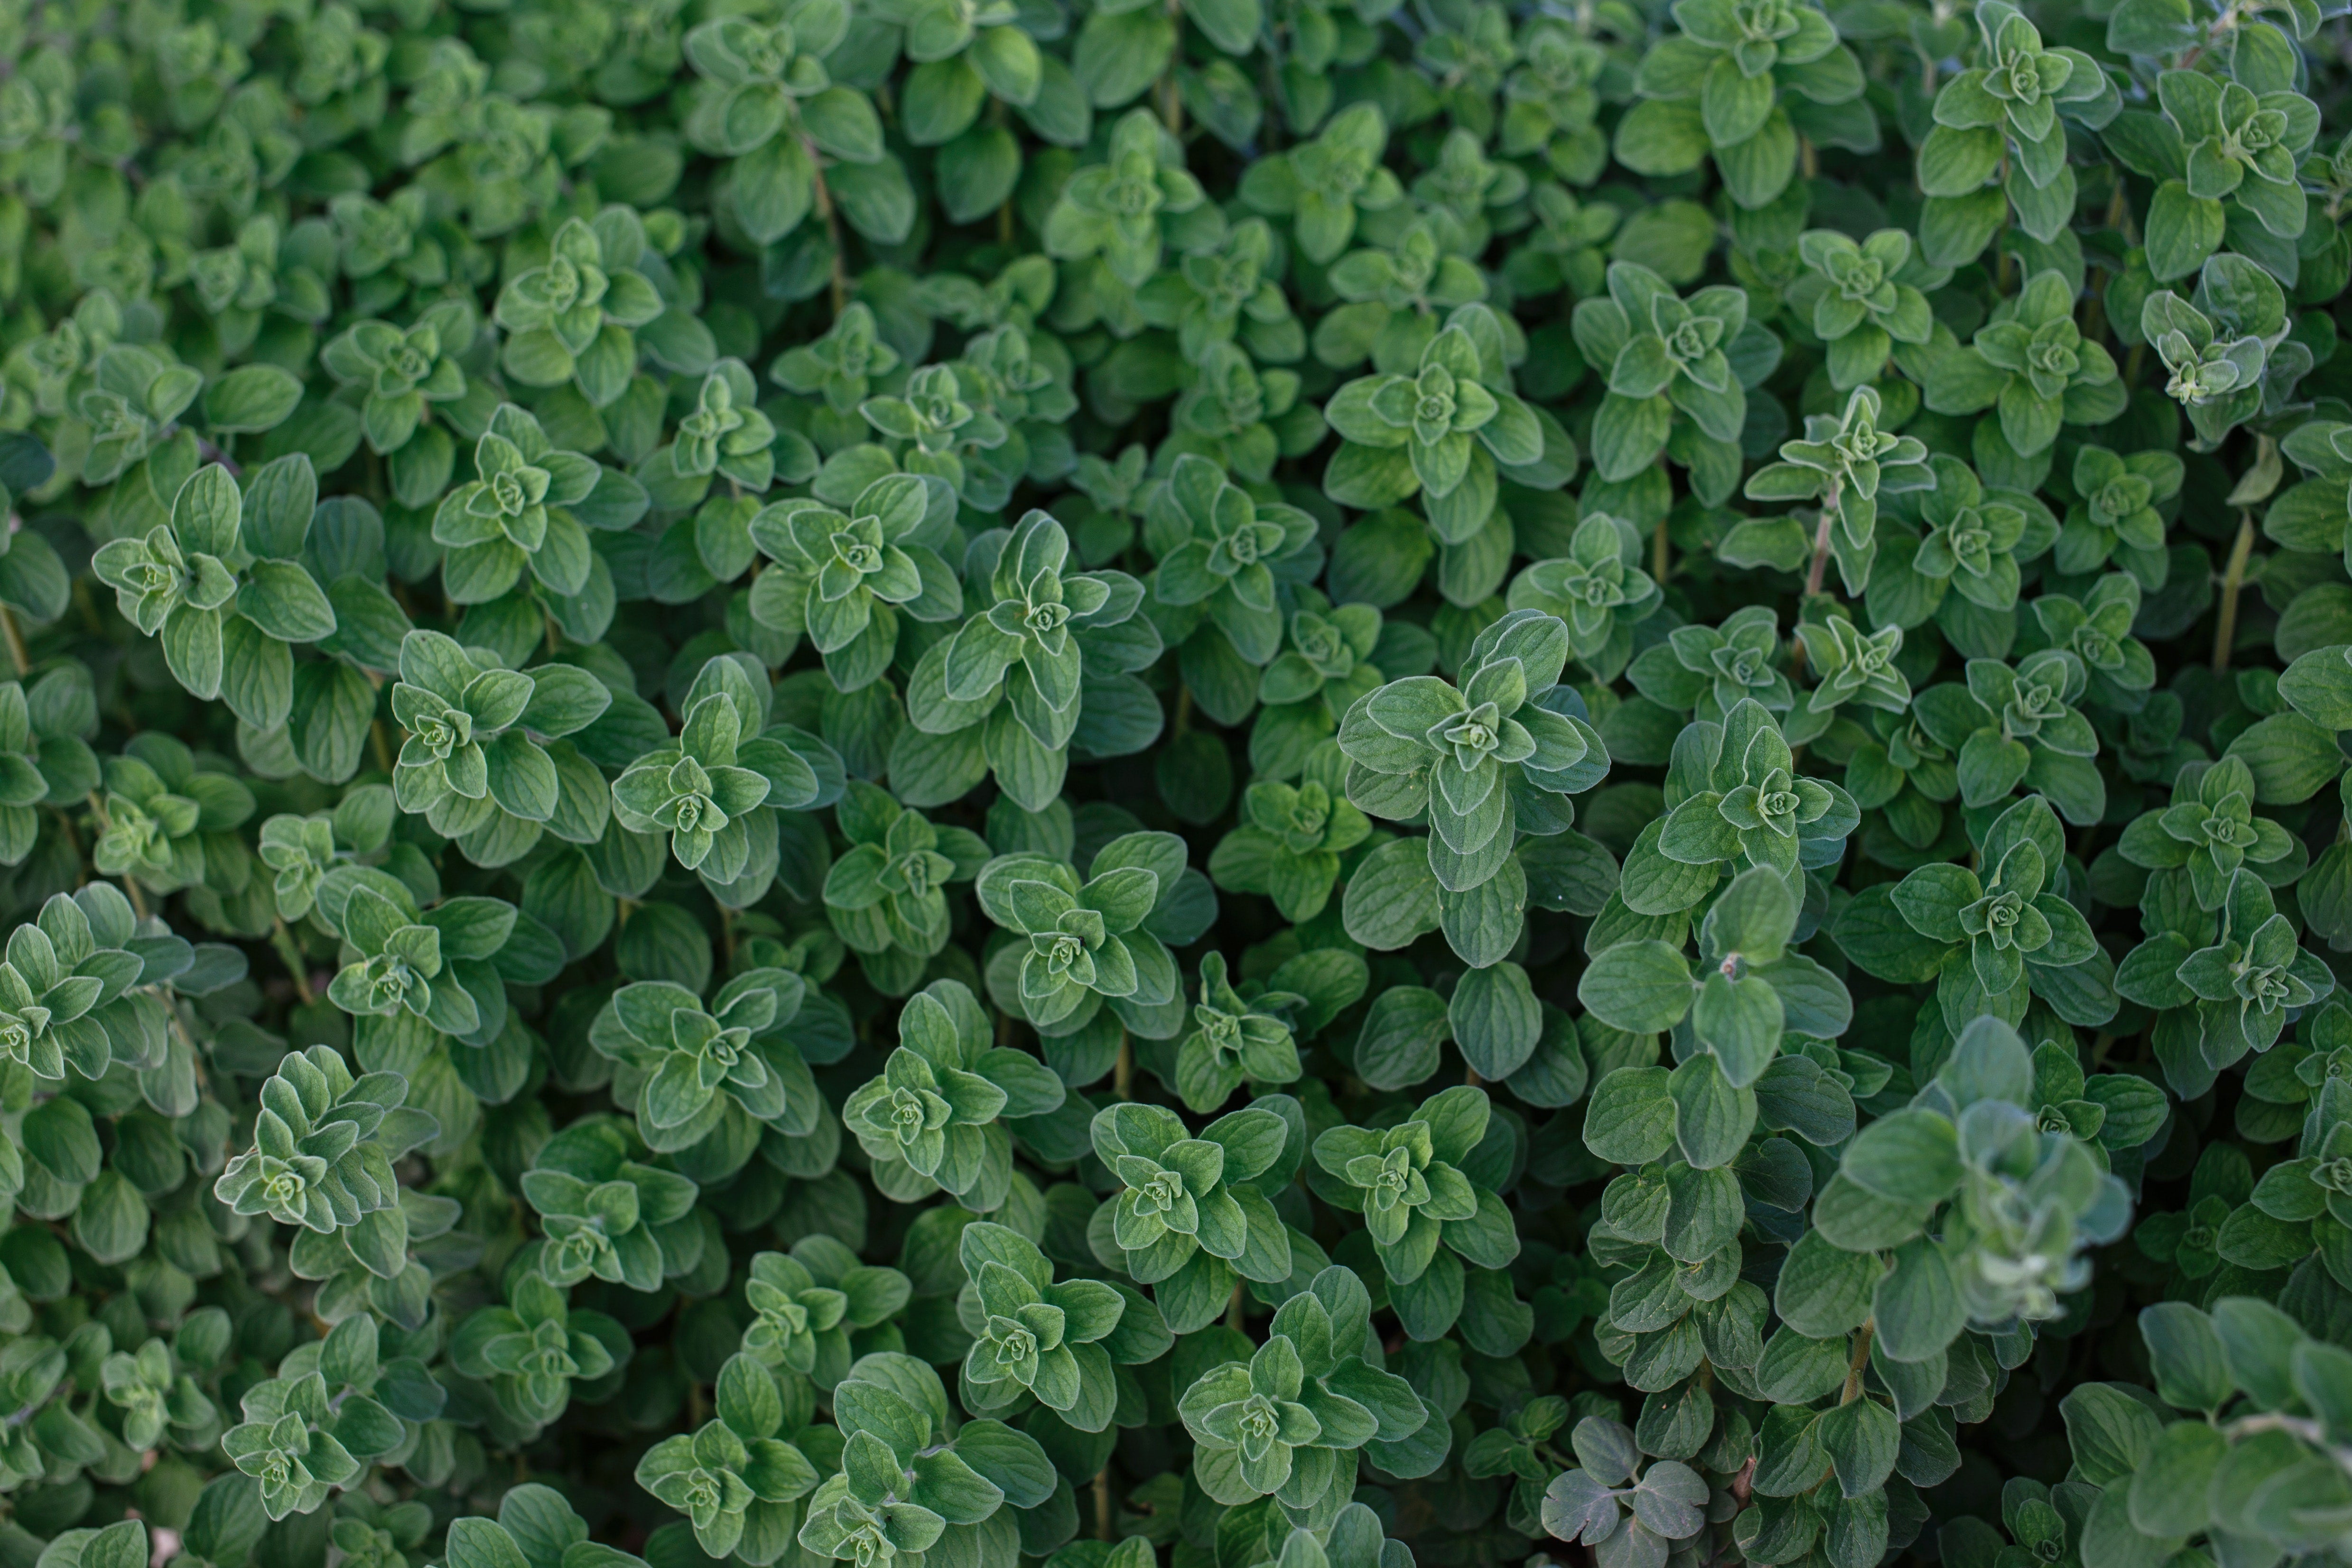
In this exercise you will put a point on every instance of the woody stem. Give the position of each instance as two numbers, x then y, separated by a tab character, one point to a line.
1814	573
2233	577
283	941
16	641
832	217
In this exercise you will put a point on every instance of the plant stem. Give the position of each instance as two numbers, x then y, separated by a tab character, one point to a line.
1171	107
1102	1504
1660	554
1809	158
825	209
283	940
16	641
1852	1390
1122	1076
1237	1318
2233	577
1819	568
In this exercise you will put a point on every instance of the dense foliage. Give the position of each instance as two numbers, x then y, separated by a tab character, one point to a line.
1326	783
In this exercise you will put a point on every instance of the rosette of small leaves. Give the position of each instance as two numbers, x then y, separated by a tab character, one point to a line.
766	102
399	373
2008	726
289	1441
1112	495
843	366
1861	299
1969	546
605	1214
1117	210
1850	665
2217	344
1085	940
531	1351
1289	844
395	955
93	934
1243	417
1234	1039
1598	590
519	512
1734	59
1710	669
1466	755
844	576
2234	142
155	1396
2211	831
1031	1336
1022	380
131	403
1663	353
1844	464
375	1536
224	615
1213	298
1190	1218
2115	515
44	759
301	851
1550	101
930	424
572	316
1749	989
471	761
167	823
692	1066
1432	416
2251	974
695	792
323	1143
865	1514
902	1485
54	978
727	436
2096	629
807	1303
1565	249
2187	1239
1995	933
1393	295
734	1478
1407	1182
2031	364
1742	804
1630	1509
1325	186
1304	691
1218	550
1006	693
1903	772
2001	118
887	898
931	1120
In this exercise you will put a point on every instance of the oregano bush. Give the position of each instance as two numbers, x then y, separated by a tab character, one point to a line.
1243	784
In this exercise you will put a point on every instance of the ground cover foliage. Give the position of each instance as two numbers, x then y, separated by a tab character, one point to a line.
1325	783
